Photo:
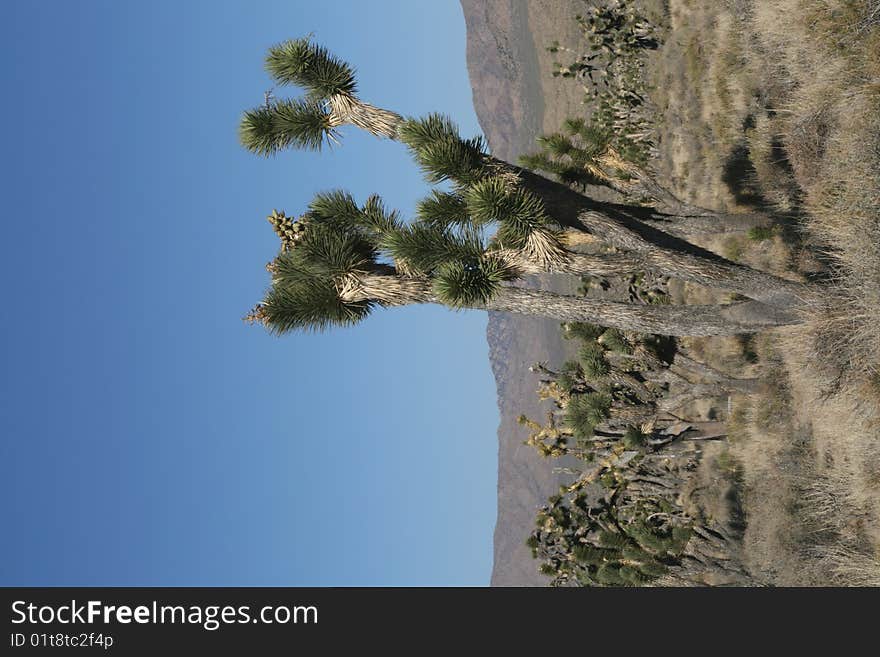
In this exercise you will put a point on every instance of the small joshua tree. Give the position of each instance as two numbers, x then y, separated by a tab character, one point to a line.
621	522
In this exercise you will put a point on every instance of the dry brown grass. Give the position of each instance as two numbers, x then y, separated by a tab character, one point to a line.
776	105
826	95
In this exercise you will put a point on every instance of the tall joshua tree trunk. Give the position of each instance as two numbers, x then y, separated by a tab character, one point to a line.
653	250
746	317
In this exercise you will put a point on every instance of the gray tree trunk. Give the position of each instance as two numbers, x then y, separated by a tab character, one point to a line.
733	319
653	250
691	320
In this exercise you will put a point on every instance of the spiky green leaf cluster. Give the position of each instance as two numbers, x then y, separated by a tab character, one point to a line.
469	284
568	154
571	376
633	438
586	411
338	209
614	340
592	139
565	172
328	252
581	331
458	160
518	211
556	144
425	247
593	362
285	123
312	66
419	132
376	217
443	210
440	151
311	305
335	205
303	294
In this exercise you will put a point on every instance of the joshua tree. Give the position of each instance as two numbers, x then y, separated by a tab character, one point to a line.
629	532
339	260
621	392
623	521
350	266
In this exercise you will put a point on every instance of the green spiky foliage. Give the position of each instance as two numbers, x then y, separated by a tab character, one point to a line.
417	133
567	155
438	148
563	172
586	411
581	331
609	575
593	362
443	210
304	294
613	540
257	131
468	284
338	209
571	376
573	125
312	66
633	438
336	205
590	554
377	219
299	123
660	541
425	248
761	233
313	304
517	211
589	541
328	252
556	144
614	340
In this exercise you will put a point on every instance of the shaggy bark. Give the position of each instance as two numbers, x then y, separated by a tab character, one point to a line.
653	250
346	109
727	383
694	320
746	317
714	273
690	226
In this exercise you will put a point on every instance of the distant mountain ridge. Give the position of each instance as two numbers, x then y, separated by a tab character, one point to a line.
503	68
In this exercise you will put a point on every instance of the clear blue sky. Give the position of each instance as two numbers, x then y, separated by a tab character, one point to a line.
149	437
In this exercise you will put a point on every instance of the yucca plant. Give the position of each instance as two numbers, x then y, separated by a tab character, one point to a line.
371	258
310	122
435	144
536	223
